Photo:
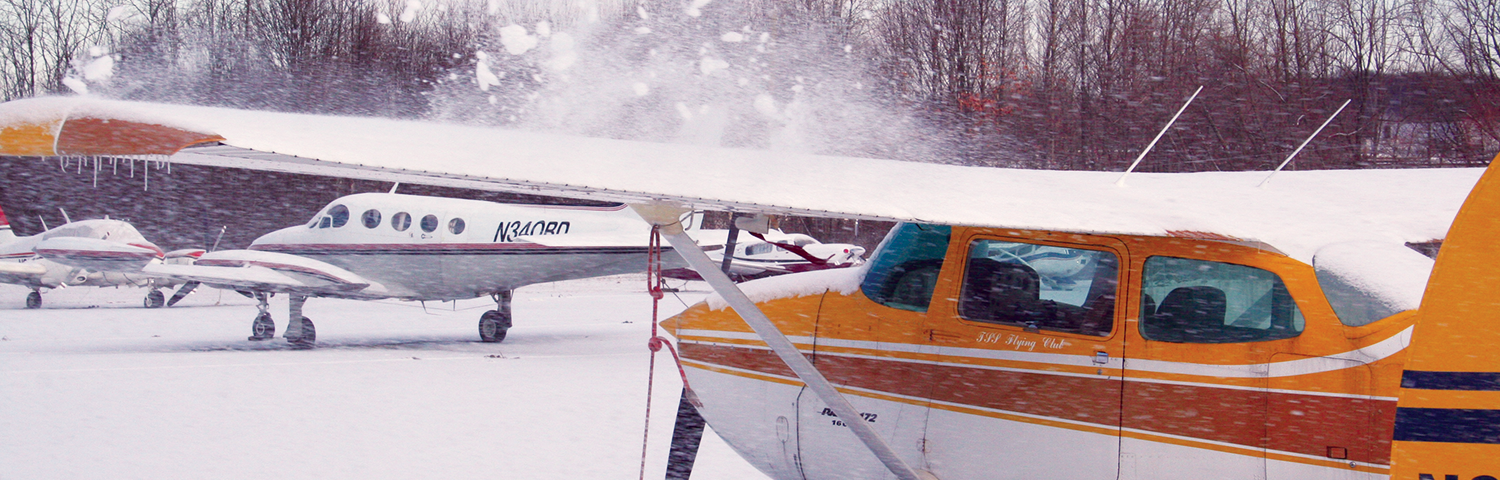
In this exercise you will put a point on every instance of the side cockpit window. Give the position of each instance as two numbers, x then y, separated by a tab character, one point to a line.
904	270
1040	287
336	217
339	214
1200	301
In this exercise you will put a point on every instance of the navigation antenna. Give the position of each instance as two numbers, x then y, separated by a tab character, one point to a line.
1304	144
66	220
221	237
1121	181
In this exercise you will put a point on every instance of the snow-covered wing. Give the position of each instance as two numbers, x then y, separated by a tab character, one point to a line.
96	254
58	126
271	272
1297	213
603	240
250	278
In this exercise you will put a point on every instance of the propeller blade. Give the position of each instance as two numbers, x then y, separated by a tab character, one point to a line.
182	292
685	437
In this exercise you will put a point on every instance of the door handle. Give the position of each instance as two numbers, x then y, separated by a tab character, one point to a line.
936	335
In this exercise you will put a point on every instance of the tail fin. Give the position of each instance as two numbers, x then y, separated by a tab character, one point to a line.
6	235
1448	414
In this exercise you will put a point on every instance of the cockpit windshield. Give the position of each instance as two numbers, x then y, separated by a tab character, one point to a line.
904	269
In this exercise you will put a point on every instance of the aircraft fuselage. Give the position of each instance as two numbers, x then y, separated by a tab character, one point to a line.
428	248
1154	358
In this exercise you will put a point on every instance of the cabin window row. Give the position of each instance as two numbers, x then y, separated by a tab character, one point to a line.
1074	290
338	216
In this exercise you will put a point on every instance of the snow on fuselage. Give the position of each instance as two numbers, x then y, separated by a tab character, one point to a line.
429	248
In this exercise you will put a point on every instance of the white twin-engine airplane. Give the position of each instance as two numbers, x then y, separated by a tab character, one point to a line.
93	253
384	245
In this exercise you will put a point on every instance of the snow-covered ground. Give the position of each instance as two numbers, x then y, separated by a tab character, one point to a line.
94	386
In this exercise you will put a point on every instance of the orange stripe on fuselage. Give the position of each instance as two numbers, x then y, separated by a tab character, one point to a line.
1201	412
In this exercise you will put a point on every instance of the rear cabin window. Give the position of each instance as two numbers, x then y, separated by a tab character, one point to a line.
1200	301
429	223
401	221
1040	287
456	226
904	269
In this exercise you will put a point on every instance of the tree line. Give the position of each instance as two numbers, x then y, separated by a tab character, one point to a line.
1068	84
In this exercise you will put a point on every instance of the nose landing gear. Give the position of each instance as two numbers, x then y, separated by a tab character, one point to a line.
494	323
263	328
155	299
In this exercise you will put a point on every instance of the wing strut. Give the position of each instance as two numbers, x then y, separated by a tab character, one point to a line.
667	218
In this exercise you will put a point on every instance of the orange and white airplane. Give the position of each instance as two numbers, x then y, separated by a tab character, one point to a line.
88	253
1020	324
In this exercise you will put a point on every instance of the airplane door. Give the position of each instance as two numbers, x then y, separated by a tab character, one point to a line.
1331	429
1197	370
1029	354
853	350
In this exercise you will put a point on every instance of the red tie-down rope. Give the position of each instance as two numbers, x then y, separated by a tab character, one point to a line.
654	284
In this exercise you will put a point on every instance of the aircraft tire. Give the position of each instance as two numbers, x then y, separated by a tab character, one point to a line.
309	334
155	299
34	300
263	328
492	326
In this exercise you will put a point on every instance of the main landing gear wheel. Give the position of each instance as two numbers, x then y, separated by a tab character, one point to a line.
155	299
263	328
494	323
309	334
34	300
492	326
